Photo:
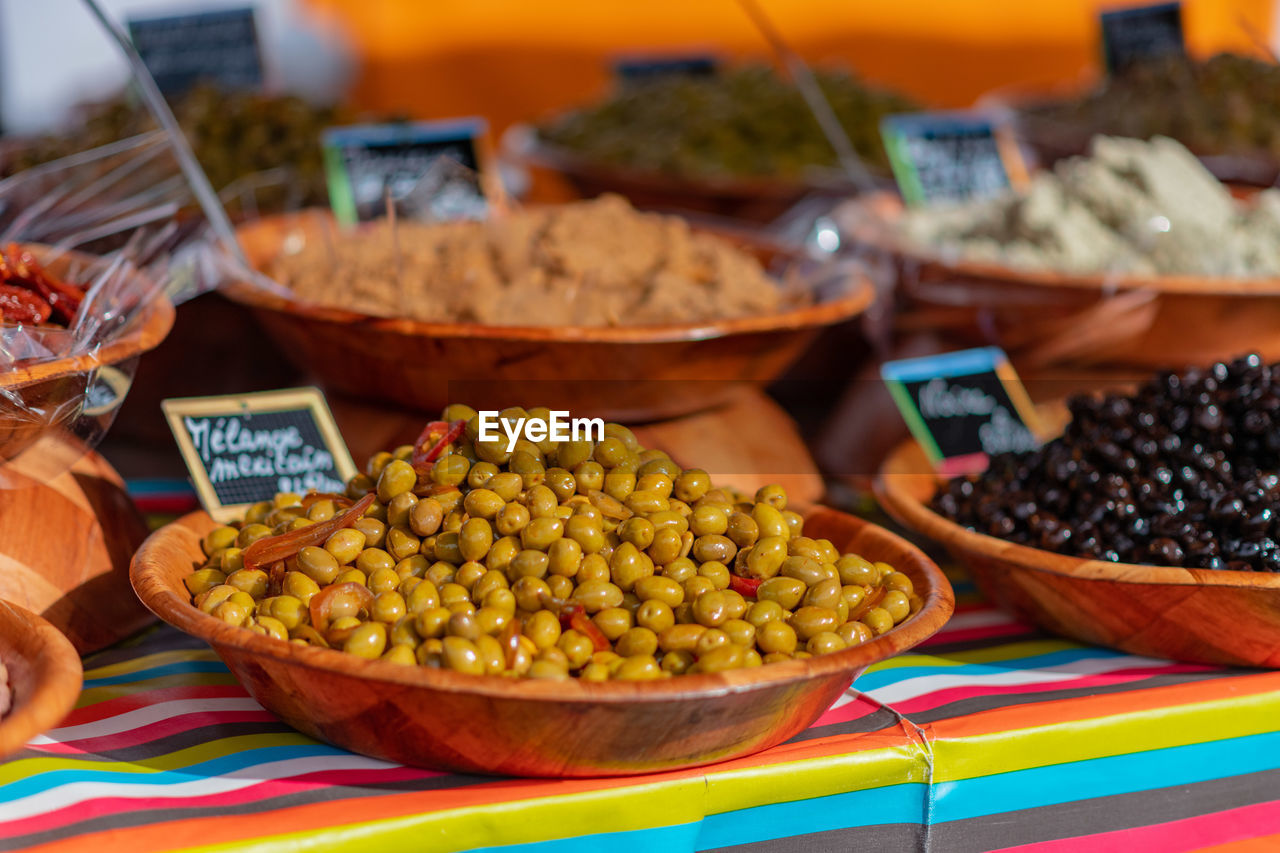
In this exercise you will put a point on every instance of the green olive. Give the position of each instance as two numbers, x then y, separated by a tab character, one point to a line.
369	640
396	478
323	565
461	655
776	636
787	592
426	516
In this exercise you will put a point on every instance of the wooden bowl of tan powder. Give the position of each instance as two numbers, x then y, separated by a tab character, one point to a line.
590	306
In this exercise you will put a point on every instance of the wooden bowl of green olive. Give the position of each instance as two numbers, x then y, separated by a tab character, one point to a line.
549	608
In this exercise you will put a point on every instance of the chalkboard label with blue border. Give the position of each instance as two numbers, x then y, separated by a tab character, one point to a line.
642	69
244	448
963	407
1137	35
219	47
427	170
949	156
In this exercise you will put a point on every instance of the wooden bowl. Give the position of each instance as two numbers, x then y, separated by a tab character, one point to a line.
444	719
750	199
1213	617
44	676
1045	319
626	373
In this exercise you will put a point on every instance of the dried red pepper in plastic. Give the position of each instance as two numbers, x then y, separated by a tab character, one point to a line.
272	548
18	305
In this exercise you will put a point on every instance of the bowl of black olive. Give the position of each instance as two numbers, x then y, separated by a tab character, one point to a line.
1151	524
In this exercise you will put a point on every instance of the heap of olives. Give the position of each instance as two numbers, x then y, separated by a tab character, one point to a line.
600	560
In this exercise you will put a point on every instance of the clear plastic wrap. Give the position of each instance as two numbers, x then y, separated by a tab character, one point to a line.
121	225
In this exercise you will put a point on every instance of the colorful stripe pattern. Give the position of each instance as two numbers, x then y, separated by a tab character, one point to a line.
989	736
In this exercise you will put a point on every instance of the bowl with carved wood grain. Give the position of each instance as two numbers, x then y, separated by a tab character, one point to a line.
1224	618
1046	318
40	677
526	727
624	373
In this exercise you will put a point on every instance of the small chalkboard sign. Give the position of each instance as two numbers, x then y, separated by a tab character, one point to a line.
642	69
1131	36
950	156
217	47
244	448
963	407
428	170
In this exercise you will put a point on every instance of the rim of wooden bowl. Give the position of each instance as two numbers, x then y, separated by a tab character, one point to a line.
541	152
171	602
47	690
884	208
825	313
906	482
147	333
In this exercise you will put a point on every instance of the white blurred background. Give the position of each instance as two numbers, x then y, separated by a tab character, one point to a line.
53	54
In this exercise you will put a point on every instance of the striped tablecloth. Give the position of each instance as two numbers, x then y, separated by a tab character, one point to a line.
989	736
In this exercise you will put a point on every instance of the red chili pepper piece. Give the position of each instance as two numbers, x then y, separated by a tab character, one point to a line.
444	434
19	305
322	602
310	499
745	587
581	622
269	549
873	598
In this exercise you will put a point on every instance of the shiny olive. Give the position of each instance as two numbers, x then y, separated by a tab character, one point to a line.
374	531
720	658
804	569
656	615
564	557
589	476
576	647
368	640
529	563
638	531
808	621
776	636
661	588
251	533
713	548
766	557
530	592
691	484
826	593
426	516
396	478
543	628
322	565
896	604
593	568
824	643
710	609
501	553
372	559
717	573
613	622
539	533
383	580
787	592
854	633
667	546
680	569
561	587
769	521
680	637
203	580
856	571
595	596
461	654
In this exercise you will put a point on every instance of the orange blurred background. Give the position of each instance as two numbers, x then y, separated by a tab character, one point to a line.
515	60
